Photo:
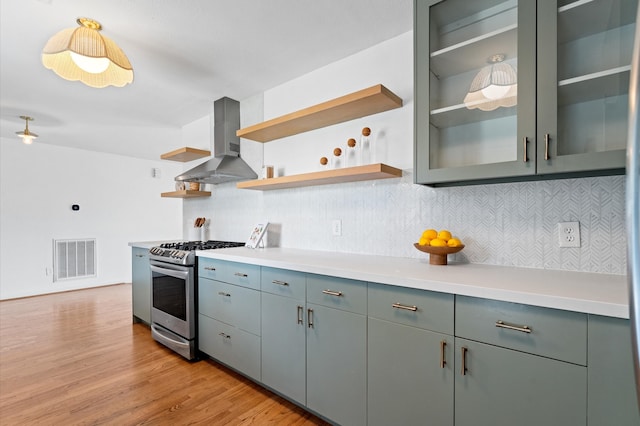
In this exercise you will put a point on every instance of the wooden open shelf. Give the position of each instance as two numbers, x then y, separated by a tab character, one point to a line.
185	154
349	174
187	193
365	102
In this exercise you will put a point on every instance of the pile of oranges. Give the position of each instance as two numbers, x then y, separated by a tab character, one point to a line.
443	238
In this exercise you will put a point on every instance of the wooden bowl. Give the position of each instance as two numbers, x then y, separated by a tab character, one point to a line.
438	255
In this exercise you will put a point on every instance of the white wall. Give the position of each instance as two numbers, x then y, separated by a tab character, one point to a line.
504	224
119	202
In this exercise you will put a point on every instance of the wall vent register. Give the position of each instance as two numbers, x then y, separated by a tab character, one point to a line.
74	259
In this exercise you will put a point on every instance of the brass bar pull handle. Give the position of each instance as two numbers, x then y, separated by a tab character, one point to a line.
222	293
525	141
546	146
310	318
282	283
300	320
463	369
405	307
209	268
332	293
443	345
522	328
226	336
240	274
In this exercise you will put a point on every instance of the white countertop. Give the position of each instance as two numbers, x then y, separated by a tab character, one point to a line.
600	294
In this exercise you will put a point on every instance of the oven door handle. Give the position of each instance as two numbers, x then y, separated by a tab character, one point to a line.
183	275
162	335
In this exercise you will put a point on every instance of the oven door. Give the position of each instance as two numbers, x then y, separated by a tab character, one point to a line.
173	298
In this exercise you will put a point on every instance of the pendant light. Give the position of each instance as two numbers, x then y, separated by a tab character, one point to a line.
496	85
82	53
26	135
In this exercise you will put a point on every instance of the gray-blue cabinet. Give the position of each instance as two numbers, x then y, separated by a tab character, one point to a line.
410	356
284	331
314	350
612	398
141	285
509	90
503	387
519	364
229	314
359	353
336	365
337	349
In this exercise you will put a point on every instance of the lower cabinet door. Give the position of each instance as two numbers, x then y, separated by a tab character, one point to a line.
283	346
612	392
337	364
503	387
408	384
231	346
141	284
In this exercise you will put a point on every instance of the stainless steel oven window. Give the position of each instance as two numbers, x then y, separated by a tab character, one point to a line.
170	295
173	298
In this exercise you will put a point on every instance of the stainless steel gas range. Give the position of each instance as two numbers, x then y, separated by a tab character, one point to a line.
174	293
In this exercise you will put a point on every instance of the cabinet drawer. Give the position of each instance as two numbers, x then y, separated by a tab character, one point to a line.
231	304
551	333
211	268
231	346
283	282
418	308
339	293
242	274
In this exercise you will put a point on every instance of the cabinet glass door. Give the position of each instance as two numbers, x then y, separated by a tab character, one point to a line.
584	60
475	89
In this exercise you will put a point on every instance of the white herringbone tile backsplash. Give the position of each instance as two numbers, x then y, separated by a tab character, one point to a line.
511	224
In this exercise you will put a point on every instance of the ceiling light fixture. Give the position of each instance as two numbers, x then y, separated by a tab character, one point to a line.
26	135
82	53
496	85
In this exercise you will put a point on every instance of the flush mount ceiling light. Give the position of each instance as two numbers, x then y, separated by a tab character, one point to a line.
82	53
26	135
496	85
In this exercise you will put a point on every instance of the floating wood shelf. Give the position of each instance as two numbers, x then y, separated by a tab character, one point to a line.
359	104
349	174
187	193
185	154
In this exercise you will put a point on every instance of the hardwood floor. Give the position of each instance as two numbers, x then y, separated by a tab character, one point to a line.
75	358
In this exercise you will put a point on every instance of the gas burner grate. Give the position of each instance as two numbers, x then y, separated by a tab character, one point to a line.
200	245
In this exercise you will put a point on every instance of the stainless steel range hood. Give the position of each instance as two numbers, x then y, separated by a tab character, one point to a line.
226	165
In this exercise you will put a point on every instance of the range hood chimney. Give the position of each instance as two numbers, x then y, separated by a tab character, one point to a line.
226	165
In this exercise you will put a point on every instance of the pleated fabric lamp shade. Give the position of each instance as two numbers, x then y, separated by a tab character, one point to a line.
84	54
496	85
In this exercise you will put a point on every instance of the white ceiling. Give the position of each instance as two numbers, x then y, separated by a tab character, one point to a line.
185	54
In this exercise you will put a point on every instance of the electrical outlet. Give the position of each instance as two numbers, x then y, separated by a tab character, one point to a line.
336	227
569	234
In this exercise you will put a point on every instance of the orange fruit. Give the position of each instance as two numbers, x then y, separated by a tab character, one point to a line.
454	242
438	242
444	235
430	233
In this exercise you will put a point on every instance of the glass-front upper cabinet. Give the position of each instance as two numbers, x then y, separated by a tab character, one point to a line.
475	89
584	62
509	90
